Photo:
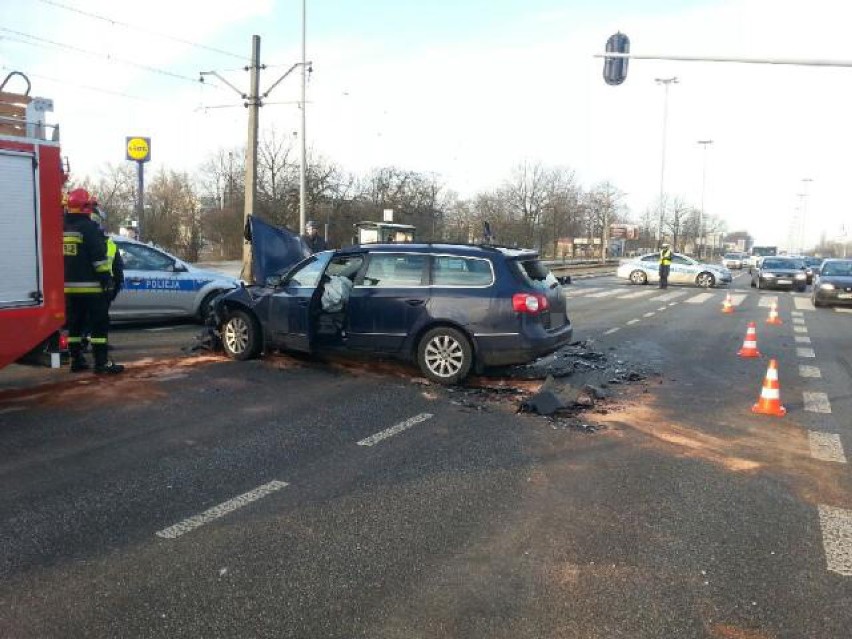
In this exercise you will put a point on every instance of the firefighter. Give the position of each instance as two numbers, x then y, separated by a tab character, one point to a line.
116	264
312	237
665	264
88	284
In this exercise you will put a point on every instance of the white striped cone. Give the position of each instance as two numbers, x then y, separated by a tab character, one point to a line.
749	348
770	395
773	315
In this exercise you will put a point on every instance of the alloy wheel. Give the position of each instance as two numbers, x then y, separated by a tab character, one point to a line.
444	356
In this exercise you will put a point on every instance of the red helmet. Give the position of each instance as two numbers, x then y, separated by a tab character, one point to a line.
79	201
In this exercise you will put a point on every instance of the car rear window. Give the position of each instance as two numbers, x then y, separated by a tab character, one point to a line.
535	274
450	270
776	263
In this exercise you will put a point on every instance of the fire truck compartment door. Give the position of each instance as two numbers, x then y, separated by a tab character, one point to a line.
20	284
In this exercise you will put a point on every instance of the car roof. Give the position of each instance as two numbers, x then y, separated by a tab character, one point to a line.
469	250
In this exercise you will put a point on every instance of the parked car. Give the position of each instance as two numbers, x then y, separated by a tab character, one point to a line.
780	272
159	286
733	260
684	270
833	283
812	265
449	308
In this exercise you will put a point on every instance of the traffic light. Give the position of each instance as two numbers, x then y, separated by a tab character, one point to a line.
615	69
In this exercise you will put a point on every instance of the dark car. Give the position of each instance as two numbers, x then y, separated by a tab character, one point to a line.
447	307
812	265
780	272
833	283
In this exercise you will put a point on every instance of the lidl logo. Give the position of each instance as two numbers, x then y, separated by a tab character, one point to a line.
139	149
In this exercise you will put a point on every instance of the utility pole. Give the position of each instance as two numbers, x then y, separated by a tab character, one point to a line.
303	159
703	143
666	82
253	103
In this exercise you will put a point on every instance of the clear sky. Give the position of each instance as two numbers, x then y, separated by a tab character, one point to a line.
469	88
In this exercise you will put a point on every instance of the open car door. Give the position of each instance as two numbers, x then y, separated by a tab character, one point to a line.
294	301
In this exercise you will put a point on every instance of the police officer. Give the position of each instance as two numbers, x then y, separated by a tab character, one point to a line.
312	238
665	264
88	284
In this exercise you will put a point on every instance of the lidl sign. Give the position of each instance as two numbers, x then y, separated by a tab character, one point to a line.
138	149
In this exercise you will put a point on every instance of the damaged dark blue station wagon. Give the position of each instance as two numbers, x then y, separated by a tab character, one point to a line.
449	308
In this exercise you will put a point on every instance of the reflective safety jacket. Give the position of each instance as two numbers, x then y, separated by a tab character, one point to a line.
84	249
666	256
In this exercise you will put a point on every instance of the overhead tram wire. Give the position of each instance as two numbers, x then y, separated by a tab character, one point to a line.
82	86
39	41
127	25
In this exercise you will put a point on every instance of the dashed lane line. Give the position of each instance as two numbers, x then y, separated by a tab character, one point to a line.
837	309
836	524
809	371
803	303
816	402
673	303
662	308
805	352
190	524
803	339
372	440
800	329
766	301
826	447
633	321
612	330
699	299
798	321
797	313
649	314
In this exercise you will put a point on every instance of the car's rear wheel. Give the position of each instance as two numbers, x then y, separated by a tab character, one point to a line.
638	277
445	355
705	280
241	336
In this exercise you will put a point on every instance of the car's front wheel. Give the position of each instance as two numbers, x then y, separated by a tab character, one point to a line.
445	355
638	277
241	336
705	280
205	307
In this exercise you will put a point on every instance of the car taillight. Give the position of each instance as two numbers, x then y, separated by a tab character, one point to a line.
63	341
529	302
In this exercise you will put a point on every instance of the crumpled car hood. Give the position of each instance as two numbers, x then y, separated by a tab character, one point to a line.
274	249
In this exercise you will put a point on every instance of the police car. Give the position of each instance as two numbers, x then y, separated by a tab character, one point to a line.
160	286
684	270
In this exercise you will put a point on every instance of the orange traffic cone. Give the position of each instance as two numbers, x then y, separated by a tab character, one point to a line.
770	395
749	348
727	305
773	315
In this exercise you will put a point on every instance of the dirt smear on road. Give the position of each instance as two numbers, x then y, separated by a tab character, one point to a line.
755	444
132	385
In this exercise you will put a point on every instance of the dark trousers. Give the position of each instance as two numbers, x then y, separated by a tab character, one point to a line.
664	275
88	311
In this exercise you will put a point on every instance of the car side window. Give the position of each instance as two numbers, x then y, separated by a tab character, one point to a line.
143	258
680	259
386	270
345	265
307	276
460	271
651	258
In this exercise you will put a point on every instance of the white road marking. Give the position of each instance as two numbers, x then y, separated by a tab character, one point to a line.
836	524
583	291
737	299
798	321
662	308
809	371
826	447
803	303
633	321
805	352
606	293
767	300
11	409
612	330
797	313
650	314
372	440
187	525
803	339
800	329
162	328
837	309
636	294
673	303
699	299
816	402
665	297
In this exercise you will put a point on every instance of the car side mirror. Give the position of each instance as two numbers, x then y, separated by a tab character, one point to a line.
274	281
177	267
564	280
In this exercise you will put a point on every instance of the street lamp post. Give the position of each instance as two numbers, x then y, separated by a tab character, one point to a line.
704	144
802	219
666	82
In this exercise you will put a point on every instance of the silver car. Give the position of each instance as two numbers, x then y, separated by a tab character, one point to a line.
684	270
160	286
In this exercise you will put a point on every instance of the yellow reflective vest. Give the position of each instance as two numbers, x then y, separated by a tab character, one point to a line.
666	257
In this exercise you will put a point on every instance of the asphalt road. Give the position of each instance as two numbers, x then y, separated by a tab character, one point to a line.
194	496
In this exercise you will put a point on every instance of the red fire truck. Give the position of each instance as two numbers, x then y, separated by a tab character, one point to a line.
32	175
